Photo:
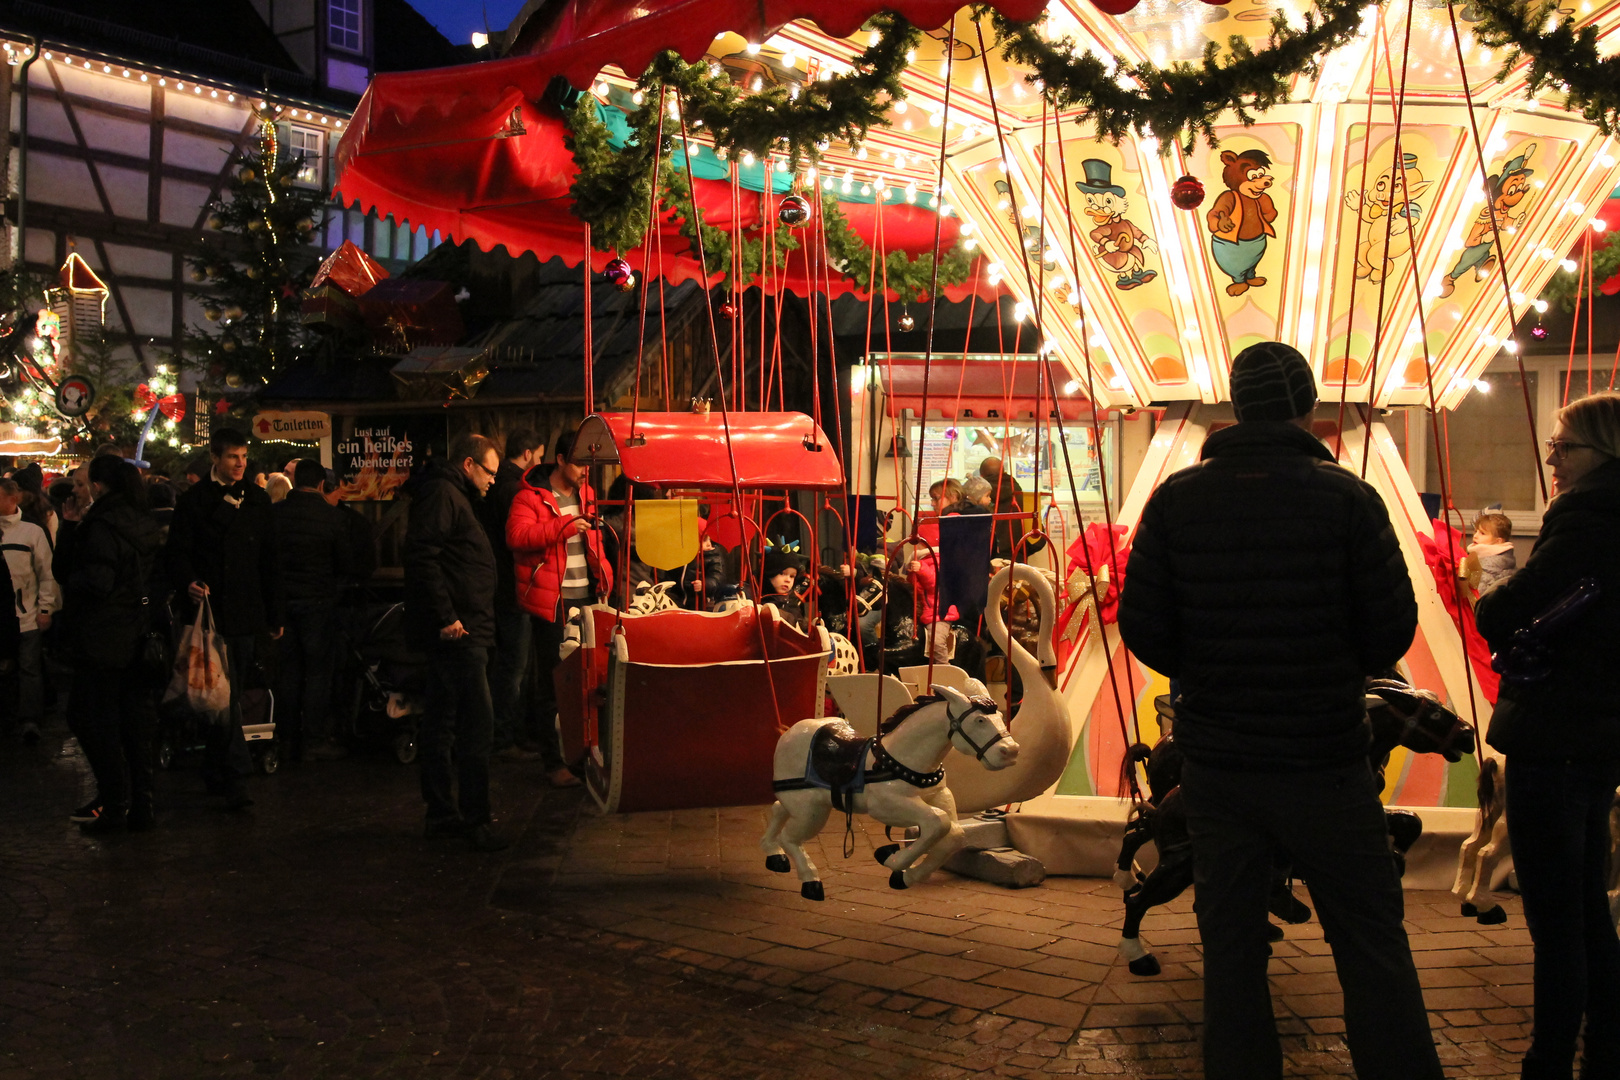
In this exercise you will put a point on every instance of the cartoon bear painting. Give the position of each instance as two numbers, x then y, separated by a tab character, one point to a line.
1119	244
1240	221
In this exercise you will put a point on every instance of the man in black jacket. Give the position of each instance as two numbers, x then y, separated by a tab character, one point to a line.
450	581
1268	581
315	555
222	545
513	641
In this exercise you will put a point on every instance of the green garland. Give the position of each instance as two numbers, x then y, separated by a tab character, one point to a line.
1565	56
613	188
1179	103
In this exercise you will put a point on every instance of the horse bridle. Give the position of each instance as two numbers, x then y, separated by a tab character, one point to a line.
983	706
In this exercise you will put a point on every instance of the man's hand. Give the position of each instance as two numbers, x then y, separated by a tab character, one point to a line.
197	590
453	631
44	620
275	635
580	525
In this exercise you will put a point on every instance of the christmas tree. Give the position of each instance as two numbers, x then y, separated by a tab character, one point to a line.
257	264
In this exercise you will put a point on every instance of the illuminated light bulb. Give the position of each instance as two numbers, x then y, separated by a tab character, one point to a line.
638	97
1072	386
1029	211
758	84
1510	346
1540	306
601	89
1606	160
748	157
900	105
1003	204
1021	311
1482	386
845	187
1074	297
827	184
1518	297
967	228
1599	225
789	60
1568	266
1574	207
866	189
861	155
752	48
970	244
911	56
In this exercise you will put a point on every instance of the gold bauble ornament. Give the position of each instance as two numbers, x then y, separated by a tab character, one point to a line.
247	175
233	380
285	180
215	221
212	314
255	225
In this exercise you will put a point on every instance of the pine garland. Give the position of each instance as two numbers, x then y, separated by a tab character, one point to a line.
1178	104
1565	56
611	191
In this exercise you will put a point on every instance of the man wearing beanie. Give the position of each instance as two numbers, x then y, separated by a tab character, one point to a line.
1267	581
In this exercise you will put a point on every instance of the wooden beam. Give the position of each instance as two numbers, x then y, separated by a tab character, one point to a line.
91	156
129	112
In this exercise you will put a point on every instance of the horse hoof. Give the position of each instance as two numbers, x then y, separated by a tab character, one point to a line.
1492	916
812	890
777	863
882	854
1145	965
897	879
1469	911
1274	932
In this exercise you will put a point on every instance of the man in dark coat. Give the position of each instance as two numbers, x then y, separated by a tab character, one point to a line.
450	581
315	554
513	641
222	545
1268	581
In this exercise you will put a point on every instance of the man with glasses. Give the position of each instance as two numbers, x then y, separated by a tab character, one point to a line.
450	614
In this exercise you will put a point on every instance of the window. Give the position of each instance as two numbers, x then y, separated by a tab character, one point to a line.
343	24
306	145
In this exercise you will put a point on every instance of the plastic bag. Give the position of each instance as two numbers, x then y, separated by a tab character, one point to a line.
201	680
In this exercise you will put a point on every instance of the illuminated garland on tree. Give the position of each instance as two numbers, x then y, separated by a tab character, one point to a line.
258	268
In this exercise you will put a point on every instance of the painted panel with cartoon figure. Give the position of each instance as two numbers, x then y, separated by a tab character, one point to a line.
1505	209
1117	242
1242	221
1246	228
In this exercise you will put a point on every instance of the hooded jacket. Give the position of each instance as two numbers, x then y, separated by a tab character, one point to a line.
28	557
449	565
1268	580
536	531
108	567
1575	713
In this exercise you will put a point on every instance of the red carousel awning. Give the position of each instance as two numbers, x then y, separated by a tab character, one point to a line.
770	449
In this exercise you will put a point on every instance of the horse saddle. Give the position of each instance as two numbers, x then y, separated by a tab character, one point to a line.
836	762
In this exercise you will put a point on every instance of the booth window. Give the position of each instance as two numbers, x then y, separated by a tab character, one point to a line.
308	144
343	25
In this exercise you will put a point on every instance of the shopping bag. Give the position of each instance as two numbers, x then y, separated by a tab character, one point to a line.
200	681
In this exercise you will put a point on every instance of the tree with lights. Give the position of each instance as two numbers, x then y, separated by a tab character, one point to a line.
256	267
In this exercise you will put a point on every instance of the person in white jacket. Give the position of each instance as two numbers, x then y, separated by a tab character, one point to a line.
28	557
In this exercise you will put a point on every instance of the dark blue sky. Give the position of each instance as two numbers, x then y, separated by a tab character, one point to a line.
457	19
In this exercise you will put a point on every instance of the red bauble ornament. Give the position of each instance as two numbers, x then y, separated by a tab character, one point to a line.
728	310
145	398
1187	193
1538	332
907	323
619	273
794	211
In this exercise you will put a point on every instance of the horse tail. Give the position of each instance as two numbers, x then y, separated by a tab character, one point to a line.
1134	756
1486	792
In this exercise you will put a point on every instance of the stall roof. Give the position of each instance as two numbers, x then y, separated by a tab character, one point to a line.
688	449
959	386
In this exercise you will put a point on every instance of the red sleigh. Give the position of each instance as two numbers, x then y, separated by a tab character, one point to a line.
675	708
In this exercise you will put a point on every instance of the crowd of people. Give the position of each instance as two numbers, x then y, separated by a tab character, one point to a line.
1266	582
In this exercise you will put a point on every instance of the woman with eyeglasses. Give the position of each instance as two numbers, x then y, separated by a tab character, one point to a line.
1561	736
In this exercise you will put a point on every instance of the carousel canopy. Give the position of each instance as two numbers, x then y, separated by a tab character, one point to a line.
767	449
1366	242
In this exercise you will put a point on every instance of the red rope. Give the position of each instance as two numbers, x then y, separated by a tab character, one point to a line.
590	375
1350	311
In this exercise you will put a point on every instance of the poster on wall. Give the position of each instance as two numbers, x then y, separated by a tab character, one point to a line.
380	453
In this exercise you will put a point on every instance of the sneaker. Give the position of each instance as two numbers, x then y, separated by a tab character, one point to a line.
108	822
562	778
483	838
30	733
516	753
326	751
90	811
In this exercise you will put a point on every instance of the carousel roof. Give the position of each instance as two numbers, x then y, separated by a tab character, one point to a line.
1391	298
690	449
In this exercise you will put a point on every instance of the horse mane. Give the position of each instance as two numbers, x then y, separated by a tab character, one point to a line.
905	712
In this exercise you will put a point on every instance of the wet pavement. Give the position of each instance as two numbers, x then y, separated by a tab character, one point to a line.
319	935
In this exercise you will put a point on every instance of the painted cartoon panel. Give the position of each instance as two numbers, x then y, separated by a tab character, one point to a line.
1246	228
1507	187
1384	216
1115	241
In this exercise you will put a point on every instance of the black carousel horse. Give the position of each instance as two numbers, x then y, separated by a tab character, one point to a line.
1399	715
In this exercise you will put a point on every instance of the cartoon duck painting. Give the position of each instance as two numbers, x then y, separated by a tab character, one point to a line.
1119	244
1503	192
1240	221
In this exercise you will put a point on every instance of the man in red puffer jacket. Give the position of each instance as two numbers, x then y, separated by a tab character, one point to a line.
557	554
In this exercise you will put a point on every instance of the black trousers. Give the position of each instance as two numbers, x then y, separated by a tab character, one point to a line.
455	737
225	754
1331	822
1558	821
307	652
548	638
110	712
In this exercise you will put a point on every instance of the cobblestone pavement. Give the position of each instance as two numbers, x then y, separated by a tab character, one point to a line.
320	936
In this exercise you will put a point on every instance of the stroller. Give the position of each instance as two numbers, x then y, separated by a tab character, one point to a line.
182	732
389	678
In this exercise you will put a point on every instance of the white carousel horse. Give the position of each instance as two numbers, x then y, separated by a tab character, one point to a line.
650	598
1041	724
844	659
895	777
1487	846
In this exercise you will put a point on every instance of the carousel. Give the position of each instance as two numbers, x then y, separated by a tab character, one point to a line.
1155	185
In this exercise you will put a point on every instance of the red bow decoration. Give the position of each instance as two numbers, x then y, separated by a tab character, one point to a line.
1096	575
174	407
1444	565
145	398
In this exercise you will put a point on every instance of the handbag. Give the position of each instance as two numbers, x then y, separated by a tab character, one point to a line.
201	677
1528	659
